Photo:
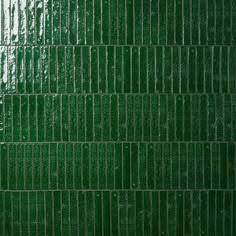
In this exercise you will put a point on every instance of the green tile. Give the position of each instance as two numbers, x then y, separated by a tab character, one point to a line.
117	117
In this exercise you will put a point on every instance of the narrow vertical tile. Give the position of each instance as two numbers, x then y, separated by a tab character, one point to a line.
195	117
155	118
151	70
126	168
203	121
45	63
110	159
203	22
60	165
150	166
63	14
4	164
219	212
21	167
211	117
174	168
191	166
78	166
37	70
203	211
22	22
207	166
105	21
211	22
230	165
114	117
36	167
94	69
223	167
163	22
159	179
16	118
196	212
227	23
163	118
88	11
65	117
11	166
167	165
8	118
6	21
216	72
28	166
195	22
52	69
81	16
200	75
39	21
4	69
208	63
110	69
227	197
73	21
97	22
77	69
159	61
81	117
219	15
85	61
179	117
167	57
130	118
12	70
187	22
224	70
199	163
179	18
118	69
175	70
20	69
114	8
32	119
183	172
48	121
61	70
215	171
85	165
30	22
187	208
163	212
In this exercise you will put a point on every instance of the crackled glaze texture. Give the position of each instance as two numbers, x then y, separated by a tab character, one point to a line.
118	117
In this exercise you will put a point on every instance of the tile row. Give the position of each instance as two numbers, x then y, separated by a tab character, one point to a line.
118	213
39	118
117	22
117	69
118	166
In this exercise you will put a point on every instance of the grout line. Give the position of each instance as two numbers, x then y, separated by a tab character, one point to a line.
117	45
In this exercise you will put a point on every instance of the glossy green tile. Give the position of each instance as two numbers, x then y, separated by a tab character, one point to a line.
117	117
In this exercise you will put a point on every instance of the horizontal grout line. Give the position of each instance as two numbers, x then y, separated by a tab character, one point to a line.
133	94
115	190
114	142
118	45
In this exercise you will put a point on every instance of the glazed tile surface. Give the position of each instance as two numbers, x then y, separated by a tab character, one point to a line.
118	117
